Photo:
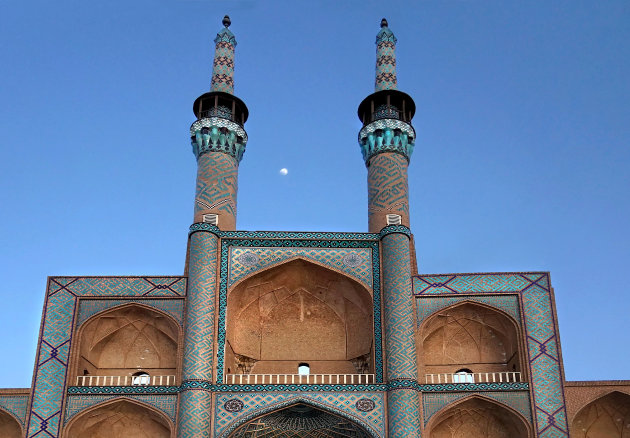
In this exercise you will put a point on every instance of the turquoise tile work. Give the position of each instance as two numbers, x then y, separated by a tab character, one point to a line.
56	331
542	340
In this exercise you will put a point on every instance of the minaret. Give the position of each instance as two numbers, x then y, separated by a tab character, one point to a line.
218	141
386	141
218	138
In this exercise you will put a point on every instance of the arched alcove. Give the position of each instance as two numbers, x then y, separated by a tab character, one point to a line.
295	313
120	419
128	340
469	336
605	417
300	421
477	417
9	426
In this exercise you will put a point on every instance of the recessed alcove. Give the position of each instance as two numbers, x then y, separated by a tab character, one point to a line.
9	427
127	342
468	336
295	313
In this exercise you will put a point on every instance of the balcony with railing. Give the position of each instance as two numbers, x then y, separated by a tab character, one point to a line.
300	379
463	377
138	380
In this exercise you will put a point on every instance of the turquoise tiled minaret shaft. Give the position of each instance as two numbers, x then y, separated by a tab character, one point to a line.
223	65
218	141
386	141
385	59
218	138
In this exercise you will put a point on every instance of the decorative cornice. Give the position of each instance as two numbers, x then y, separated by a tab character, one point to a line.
217	134
201	226
204	385
283	235
386	135
385	34
225	36
395	229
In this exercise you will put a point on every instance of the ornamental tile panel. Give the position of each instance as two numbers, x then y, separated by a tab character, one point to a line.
517	400
77	403
89	308
428	305
256	404
356	263
540	328
15	405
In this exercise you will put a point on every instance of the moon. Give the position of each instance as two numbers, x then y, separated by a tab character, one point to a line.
284	171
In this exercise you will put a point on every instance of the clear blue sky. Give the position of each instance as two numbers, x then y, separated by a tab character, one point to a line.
522	160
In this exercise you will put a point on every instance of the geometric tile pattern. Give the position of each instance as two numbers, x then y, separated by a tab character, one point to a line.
333	258
256	404
217	183
223	65
269	240
400	343
15	405
518	400
88	308
541	337
388	188
403	410
77	403
385	60
195	412
427	305
200	307
56	330
199	339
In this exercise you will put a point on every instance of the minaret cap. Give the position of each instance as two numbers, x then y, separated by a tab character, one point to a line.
383	22
226	21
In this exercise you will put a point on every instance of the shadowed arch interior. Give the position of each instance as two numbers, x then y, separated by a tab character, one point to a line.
477	418
125	340
468	336
300	421
299	312
9	427
605	417
121	419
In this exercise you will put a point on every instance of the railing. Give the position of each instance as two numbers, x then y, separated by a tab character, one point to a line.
501	377
299	379
143	380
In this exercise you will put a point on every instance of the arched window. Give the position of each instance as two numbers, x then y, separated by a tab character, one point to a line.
304	369
141	378
464	376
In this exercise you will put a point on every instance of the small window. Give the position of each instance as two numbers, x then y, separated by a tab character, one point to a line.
140	379
464	376
304	369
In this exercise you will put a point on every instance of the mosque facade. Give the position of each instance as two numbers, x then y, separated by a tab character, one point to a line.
306	334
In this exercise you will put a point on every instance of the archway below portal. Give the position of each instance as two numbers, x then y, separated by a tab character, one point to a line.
121	419
606	417
300	421
478	418
9	427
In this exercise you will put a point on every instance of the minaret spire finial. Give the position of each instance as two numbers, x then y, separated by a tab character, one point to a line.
385	59
223	65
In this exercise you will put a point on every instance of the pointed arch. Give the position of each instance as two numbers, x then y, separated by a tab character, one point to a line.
292	259
477	416
233	428
299	311
10	425
469	335
125	339
608	416
121	417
